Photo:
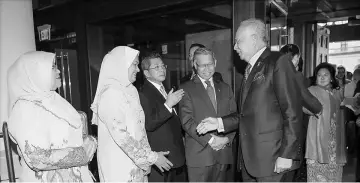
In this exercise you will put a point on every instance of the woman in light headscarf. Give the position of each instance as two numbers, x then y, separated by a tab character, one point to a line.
45	127
124	153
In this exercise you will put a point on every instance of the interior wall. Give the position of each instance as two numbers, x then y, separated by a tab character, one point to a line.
219	42
16	38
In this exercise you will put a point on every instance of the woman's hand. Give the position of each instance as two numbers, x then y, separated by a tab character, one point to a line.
90	146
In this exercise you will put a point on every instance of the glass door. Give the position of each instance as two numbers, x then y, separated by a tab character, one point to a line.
277	12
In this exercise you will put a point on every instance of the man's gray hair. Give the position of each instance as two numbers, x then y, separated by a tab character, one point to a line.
204	51
257	25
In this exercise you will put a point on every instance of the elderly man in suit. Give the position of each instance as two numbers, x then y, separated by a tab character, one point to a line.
162	124
208	156
270	110
191	75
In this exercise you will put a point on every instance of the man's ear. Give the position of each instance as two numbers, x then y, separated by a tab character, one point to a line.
146	73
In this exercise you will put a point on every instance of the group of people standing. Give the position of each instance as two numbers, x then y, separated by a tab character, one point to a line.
143	136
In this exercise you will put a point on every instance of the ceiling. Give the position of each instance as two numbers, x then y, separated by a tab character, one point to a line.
184	17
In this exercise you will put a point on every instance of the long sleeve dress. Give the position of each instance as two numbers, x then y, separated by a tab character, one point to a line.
325	141
124	153
50	148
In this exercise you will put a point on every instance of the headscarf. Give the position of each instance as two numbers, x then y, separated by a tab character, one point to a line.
114	73
30	78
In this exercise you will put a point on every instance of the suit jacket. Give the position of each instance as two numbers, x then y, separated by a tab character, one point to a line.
163	128
196	106
308	100
270	115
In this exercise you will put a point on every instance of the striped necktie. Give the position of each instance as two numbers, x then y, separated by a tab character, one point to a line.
211	93
247	71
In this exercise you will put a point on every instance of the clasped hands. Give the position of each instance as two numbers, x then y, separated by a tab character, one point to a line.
211	124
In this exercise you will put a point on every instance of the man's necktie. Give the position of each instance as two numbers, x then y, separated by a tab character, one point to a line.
162	91
211	93
247	71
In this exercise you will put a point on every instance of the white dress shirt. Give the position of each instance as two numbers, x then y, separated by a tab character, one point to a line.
255	58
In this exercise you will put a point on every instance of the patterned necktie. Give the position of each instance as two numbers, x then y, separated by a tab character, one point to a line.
211	93
162	91
247	71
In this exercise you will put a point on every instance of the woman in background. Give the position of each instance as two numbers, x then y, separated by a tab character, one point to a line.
325	142
45	127
124	153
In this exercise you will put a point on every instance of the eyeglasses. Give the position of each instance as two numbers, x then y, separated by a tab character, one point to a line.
158	67
205	65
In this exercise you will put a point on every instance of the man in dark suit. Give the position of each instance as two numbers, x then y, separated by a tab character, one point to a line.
162	123
208	156
270	110
188	77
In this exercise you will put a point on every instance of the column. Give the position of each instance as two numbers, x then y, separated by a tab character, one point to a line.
16	37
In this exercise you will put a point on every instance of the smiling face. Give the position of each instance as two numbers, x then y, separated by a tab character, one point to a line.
156	71
133	70
323	78
55	77
204	65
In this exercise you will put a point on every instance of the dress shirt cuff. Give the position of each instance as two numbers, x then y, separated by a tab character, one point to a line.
168	108
211	140
220	126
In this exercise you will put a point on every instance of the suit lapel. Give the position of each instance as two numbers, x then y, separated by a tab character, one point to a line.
154	90
203	93
256	68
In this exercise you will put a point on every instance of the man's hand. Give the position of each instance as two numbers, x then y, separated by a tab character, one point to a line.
207	124
174	97
219	142
162	162
282	164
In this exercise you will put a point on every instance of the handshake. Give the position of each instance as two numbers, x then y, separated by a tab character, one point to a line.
211	124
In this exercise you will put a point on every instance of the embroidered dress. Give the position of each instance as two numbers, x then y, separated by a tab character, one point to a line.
325	162
45	127
124	153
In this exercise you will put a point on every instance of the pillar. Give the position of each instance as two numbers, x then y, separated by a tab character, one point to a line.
17	36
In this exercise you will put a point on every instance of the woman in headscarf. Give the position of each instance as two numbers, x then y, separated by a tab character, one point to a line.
45	127
325	141
124	153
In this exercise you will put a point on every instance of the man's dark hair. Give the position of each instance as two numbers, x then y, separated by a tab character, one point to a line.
145	60
334	83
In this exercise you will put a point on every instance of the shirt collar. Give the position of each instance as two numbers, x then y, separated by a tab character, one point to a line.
203	81
256	56
157	86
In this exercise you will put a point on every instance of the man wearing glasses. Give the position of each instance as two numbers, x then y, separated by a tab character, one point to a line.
208	156
162	123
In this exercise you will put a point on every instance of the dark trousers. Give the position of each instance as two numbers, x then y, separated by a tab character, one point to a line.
358	155
173	175
214	173
281	177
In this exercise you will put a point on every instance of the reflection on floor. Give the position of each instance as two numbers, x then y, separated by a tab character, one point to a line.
349	169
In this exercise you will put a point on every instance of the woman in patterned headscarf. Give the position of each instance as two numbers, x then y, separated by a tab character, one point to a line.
124	153
45	127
